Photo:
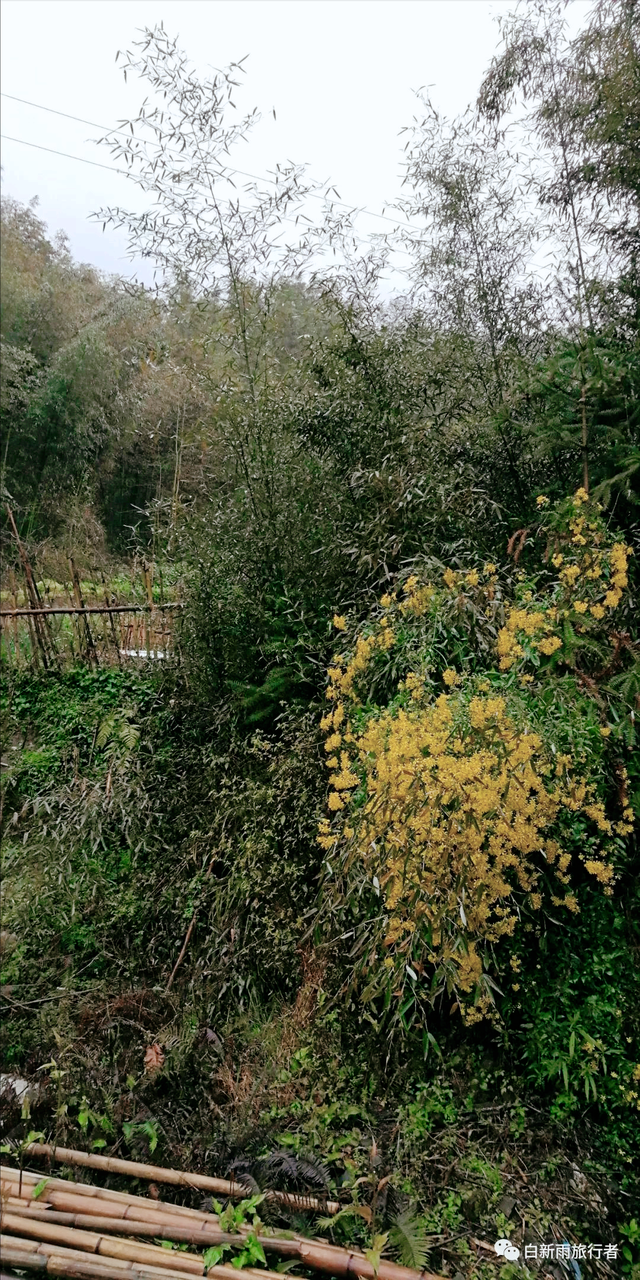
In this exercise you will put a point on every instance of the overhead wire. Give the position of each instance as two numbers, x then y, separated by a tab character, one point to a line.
147	142
52	151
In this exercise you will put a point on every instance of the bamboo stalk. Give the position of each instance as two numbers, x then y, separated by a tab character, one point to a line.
108	1211
175	1230
58	1261
70	1262
123	1255
316	1255
87	1192
173	1177
77	591
112	625
16	637
42	635
14	1256
107	1246
170	1229
147	579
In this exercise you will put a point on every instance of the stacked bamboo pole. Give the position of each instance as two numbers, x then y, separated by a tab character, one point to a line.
172	1177
50	1218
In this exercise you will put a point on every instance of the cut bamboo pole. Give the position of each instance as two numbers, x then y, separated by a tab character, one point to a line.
171	1229
42	635
57	1261
26	1255
316	1254
126	1256
173	1177
13	1178
87	608
107	1211
105	1245
91	651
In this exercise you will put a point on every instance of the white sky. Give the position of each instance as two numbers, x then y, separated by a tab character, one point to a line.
341	75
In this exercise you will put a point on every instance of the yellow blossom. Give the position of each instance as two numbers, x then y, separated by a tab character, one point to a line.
339	622
449	803
550	645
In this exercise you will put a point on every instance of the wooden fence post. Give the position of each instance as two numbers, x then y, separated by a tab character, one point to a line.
40	630
77	591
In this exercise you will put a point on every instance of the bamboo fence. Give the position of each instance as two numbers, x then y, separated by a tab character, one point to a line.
74	1229
50	632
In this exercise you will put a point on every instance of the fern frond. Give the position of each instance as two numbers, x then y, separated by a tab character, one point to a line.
407	1235
128	734
105	729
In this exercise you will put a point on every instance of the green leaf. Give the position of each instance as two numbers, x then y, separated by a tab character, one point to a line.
213	1255
374	1254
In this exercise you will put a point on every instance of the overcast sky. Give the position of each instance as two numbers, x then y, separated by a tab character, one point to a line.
341	76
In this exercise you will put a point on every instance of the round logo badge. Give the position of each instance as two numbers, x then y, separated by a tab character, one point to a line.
505	1249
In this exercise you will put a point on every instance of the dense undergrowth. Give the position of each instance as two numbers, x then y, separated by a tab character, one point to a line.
132	816
407	539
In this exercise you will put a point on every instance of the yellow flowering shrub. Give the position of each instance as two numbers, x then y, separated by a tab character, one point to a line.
592	574
446	806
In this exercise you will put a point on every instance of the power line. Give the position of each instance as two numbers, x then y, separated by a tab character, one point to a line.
146	142
52	111
39	147
81	160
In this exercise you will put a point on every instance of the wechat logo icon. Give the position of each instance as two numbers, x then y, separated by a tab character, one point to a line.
505	1249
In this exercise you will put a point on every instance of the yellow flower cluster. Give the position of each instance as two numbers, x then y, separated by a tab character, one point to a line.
449	808
591	579
456	827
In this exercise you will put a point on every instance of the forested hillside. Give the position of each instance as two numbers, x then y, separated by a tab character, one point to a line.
343	892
